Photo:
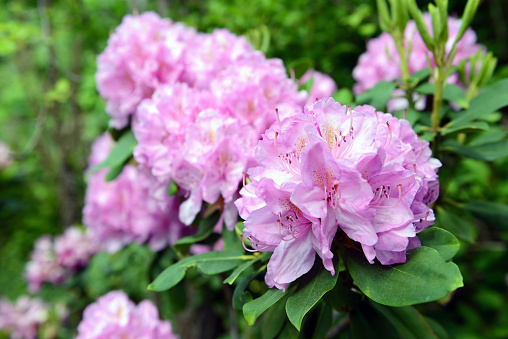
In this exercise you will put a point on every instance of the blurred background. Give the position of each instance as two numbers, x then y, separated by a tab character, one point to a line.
50	112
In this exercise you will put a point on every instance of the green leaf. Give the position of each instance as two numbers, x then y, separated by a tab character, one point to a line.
451	92
119	154
209	263
253	309
274	319
474	125
368	323
342	298
425	277
442	241
377	96
308	295
240	296
437	328
491	99
458	226
324	321
421	75
486	152
205	229
420	24
239	270
114	172
407	320
494	214
344	96
172	189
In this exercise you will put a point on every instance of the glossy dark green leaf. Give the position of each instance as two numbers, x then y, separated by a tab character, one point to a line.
491	99
240	295
368	323
324	321
486	152
456	224
378	96
342	298
494	214
209	263
274	319
442	241
409	323
239	270
308	294
119	154
425	277
253	309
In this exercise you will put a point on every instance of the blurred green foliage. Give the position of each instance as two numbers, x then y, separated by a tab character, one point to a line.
50	112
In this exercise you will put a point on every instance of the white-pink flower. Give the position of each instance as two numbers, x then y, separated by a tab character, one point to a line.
361	170
114	315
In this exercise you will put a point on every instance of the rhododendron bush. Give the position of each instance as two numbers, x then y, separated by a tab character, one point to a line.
240	190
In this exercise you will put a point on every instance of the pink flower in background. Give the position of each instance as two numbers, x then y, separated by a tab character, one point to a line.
323	86
23	318
43	265
381	61
114	315
74	248
128	209
333	167
54	260
5	155
144	52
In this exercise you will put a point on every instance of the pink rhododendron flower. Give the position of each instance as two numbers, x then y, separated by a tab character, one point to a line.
54	260
363	171
381	61
323	86
115	316
128	209
144	52
23	318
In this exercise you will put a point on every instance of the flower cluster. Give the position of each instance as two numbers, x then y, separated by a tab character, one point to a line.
332	166
115	316
198	124
381	61
53	260
130	208
24	318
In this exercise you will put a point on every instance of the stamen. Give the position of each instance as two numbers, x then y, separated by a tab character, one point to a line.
414	167
275	141
278	118
390	139
245	247
425	221
404	114
386	191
